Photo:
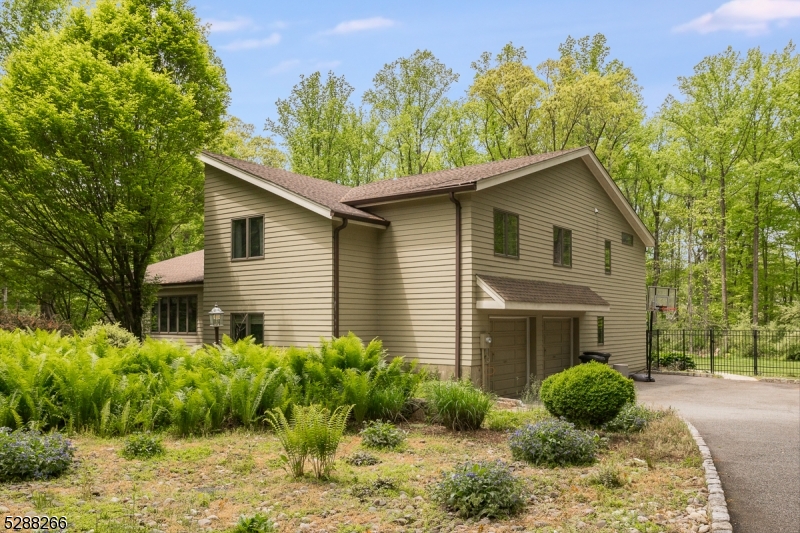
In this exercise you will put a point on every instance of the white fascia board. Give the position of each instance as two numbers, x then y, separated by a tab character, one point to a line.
268	186
338	218
491	292
528	306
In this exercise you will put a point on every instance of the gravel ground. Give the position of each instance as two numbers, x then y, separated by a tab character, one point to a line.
753	431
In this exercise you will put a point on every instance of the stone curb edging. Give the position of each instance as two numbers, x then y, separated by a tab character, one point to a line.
698	374
717	507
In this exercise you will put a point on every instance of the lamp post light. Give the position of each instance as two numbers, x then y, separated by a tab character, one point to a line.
216	315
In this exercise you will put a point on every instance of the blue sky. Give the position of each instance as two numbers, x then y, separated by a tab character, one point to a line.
265	46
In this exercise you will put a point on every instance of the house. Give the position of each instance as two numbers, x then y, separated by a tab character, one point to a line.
531	260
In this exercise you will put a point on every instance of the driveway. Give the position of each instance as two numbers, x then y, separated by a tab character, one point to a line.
753	431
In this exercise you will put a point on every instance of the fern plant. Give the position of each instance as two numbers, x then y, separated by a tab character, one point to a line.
292	435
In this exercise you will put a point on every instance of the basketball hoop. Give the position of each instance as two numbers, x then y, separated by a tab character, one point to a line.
662	299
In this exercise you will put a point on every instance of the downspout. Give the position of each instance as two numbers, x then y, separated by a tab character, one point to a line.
336	231
458	284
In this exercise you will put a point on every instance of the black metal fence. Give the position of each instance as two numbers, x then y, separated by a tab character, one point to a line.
747	352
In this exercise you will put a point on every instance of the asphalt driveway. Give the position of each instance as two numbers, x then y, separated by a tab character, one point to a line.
753	431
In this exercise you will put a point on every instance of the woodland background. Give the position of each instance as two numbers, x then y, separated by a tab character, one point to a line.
714	172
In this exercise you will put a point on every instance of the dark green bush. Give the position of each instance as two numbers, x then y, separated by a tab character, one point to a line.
480	489
588	395
382	435
458	405
677	361
26	455
631	418
362	458
142	446
554	443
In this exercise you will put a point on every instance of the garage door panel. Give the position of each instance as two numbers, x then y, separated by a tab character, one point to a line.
508	356
557	345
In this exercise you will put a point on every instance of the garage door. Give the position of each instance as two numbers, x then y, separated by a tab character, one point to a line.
557	345
508	362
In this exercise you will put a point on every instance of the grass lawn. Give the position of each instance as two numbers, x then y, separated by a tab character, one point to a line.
734	364
207	483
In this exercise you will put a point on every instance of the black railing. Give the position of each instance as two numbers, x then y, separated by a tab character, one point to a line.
753	352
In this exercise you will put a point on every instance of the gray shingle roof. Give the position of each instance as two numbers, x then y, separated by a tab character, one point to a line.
182	269
442	180
542	292
323	192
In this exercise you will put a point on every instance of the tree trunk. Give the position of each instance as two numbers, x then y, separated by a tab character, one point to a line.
723	250
755	259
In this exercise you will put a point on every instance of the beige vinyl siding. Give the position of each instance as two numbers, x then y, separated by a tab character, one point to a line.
565	196
292	285
192	339
358	281
416	279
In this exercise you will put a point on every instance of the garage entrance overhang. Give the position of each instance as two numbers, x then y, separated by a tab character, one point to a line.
534	295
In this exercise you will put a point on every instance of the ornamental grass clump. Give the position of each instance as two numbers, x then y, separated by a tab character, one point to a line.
554	443
590	394
480	489
26	455
458	405
382	435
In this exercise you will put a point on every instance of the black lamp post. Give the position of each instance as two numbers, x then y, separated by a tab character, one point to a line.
216	315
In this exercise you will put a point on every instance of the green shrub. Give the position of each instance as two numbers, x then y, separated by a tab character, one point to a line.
382	435
142	446
506	420
312	432
554	443
631	418
258	523
26	455
677	361
362	458
113	335
588	394
458	405
480	489
381	485
609	476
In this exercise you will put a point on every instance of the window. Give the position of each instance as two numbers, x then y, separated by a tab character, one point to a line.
174	314
601	330
608	257
562	246
247	324
506	234
247	238
627	239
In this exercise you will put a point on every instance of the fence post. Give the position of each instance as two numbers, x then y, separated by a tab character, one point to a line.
755	352
683	345
658	347
711	346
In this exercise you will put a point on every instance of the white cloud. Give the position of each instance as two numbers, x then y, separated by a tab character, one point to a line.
351	26
749	16
284	66
235	24
250	44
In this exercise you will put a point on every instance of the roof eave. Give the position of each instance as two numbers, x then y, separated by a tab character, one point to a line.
366	202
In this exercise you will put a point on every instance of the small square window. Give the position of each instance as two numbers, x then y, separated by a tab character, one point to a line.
627	239
247	324
562	246
506	234
601	330
608	257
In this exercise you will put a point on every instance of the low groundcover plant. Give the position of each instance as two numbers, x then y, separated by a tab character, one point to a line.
480	489
382	435
554	443
26	455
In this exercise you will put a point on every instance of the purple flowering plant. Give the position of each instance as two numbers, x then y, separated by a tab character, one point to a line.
29	454
480	489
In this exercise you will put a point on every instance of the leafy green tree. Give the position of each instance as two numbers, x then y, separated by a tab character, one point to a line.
100	126
21	18
240	141
409	98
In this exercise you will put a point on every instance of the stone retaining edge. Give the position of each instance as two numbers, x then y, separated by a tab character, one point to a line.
700	374
717	507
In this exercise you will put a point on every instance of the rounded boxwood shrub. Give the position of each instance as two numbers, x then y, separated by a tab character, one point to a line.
26	455
590	394
459	405
554	443
382	435
480	489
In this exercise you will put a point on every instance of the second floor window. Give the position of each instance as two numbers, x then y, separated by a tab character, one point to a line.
247	236
608	257
601	330
562	246
506	234
174	314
